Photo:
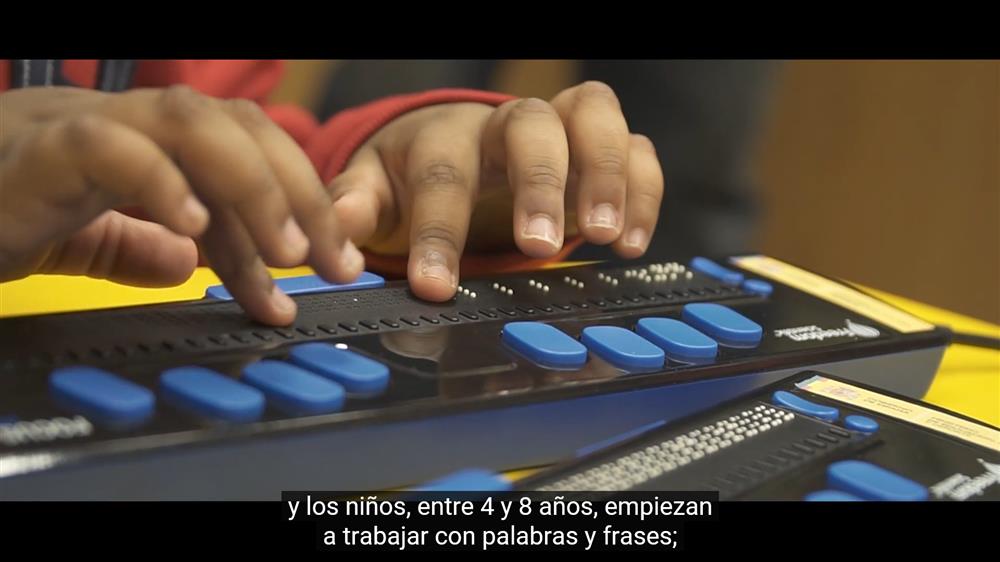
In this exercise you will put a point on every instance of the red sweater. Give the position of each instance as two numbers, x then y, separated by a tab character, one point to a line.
329	145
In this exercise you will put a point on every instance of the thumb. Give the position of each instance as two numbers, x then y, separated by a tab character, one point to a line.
125	250
363	199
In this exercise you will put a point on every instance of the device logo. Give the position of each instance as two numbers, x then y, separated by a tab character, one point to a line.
960	487
816	333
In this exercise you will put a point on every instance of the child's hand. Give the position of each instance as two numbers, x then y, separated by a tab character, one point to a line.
219	171
447	177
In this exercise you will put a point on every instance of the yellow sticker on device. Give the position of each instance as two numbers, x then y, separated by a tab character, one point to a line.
929	418
833	292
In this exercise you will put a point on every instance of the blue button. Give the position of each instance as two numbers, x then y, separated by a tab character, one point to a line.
805	407
677	338
471	480
832	496
723	323
873	482
863	424
622	348
211	394
102	396
708	267
757	286
307	284
354	372
294	390
544	344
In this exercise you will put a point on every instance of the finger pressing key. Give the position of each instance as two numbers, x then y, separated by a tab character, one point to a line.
332	255
231	253
442	172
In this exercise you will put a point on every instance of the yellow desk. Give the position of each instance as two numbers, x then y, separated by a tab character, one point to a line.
968	381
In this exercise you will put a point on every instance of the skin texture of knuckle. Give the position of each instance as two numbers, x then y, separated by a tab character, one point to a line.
647	200
545	176
594	89
440	174
182	104
531	107
83	132
609	161
105	260
440	234
247	112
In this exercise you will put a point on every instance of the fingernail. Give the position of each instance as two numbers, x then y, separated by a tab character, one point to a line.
542	227
294	237
281	300
195	212
435	266
603	216
351	257
637	238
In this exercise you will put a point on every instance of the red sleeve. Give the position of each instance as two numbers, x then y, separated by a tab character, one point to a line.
332	144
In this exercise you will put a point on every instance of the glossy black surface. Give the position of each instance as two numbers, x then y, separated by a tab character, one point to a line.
444	358
790	462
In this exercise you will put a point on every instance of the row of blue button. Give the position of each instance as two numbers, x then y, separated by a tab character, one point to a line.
646	348
316	380
853	480
307	284
798	404
728	276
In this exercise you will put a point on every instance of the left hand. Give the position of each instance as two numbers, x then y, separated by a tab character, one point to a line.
527	174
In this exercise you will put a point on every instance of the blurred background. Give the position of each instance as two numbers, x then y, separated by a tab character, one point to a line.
885	173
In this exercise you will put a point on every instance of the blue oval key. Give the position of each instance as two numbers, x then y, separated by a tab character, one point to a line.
622	348
832	496
307	284
354	372
723	323
469	480
679	340
102	396
757	286
544	344
873	482
294	390
708	267
211	394
805	407
863	424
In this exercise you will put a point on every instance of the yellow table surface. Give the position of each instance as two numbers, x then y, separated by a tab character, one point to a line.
967	382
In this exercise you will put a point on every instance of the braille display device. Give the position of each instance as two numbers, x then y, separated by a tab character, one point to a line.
372	388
